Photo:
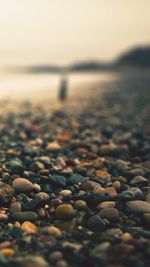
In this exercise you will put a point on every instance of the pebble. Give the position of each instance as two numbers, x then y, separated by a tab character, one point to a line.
24	216
126	237
6	193
64	212
106	204
57	180
111	214
111	191
65	193
15	207
138	206
103	175
147	218
96	223
55	256
138	180
53	147
33	261
22	185
29	227
80	205
61	263
54	231
15	167
37	166
7	252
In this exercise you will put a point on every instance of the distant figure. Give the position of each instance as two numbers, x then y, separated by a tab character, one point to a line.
63	88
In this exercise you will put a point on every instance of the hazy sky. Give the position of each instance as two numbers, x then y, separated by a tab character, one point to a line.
62	31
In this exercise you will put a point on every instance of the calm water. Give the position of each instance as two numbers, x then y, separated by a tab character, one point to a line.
40	86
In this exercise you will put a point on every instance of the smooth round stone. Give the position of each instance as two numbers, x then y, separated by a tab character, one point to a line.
42	196
15	167
15	207
7	252
61	263
53	147
117	185
36	166
3	217
75	179
24	216
138	206
147	198
88	185
138	180
137	171
111	191
126	237
96	223
147	218
58	180
29	227
103	175
64	212
6	193
80	205
55	256
65	193
106	204
22	185
54	231
98	250
33	261
114	232
111	214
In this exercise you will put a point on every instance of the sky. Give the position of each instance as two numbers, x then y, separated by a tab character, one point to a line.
64	31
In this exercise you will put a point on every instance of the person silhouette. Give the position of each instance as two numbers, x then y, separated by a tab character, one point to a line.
63	88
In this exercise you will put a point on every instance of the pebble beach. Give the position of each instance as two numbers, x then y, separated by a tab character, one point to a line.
75	179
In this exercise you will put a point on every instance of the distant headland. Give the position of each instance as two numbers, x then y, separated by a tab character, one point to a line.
137	57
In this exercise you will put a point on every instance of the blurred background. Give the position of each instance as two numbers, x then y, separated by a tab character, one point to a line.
89	41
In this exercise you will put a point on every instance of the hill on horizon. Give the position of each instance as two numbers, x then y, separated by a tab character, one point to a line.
135	57
139	56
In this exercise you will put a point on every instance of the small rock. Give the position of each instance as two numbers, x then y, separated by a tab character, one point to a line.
147	218
36	166
103	175
138	180
111	191
53	147
96	223
15	207
24	216
65	193
6	193
15	167
138	206
54	231
126	237
80	205
57	179
75	179
22	185
29	227
33	261
7	252
111	214
64	212
106	204
61	263
55	256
